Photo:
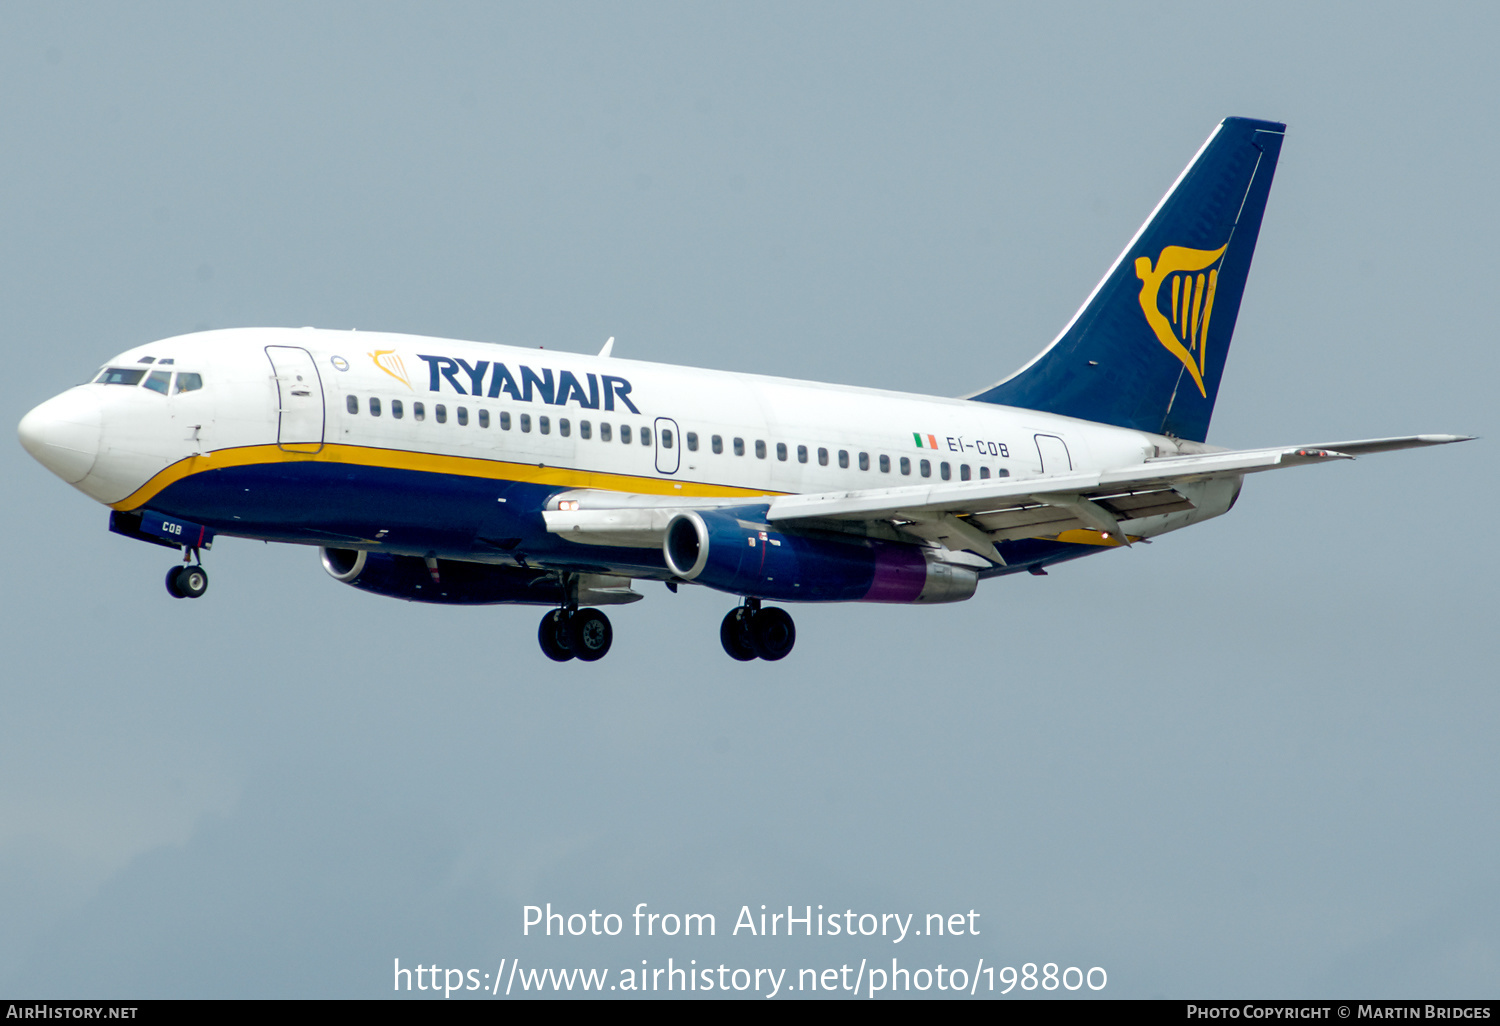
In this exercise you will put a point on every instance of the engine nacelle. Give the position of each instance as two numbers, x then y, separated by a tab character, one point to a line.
723	551
458	582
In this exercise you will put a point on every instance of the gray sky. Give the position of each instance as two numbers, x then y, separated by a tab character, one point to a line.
1255	758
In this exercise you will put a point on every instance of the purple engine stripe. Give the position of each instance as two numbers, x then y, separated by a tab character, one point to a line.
900	574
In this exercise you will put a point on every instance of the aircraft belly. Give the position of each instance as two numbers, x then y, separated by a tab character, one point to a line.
399	511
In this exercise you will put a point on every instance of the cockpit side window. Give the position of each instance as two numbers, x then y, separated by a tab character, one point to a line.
187	381
159	381
120	376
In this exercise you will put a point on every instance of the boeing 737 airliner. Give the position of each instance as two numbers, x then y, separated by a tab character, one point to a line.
460	472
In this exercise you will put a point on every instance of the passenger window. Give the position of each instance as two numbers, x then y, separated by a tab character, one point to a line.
781	451
544	425
504	420
984	473
645	436
666	438
463	416
397	410
963	472
885	464
374	406
351	403
844	458
604	432
441	412
484	418
739	447
187	381
945	471
822	457
801	454
760	449
585	429
564	427
120	376
418	411
905	465
926	468
624	434
159	381
1002	472
526	423
717	443
864	461
692	441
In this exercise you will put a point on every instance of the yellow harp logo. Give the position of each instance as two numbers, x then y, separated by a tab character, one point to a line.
1183	328
389	361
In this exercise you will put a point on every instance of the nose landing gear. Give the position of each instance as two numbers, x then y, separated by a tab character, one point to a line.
752	632
188	580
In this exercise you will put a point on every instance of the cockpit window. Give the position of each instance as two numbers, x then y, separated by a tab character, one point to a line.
187	381
159	381
120	376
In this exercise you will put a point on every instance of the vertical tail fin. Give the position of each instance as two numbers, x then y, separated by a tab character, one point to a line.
1146	350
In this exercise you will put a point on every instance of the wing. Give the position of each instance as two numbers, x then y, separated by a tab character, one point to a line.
970	515
974	515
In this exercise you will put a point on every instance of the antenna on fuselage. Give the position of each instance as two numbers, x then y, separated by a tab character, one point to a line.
608	347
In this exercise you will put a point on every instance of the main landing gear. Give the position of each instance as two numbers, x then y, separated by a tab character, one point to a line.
575	633
752	632
187	580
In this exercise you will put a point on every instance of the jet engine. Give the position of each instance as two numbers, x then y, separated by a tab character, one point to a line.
723	551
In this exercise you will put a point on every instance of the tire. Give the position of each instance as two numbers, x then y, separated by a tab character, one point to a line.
734	634
172	582
191	581
555	639
591	634
772	633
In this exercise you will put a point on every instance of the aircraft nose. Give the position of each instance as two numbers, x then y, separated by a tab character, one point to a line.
63	433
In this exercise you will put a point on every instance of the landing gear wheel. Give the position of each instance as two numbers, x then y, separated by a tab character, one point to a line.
556	639
734	634
187	581
591	634
772	633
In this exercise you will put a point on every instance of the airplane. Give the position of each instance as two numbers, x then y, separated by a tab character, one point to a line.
437	470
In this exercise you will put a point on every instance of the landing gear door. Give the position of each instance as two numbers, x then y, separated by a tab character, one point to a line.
668	446
299	389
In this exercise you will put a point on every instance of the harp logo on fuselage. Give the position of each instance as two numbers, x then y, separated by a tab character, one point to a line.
1189	299
389	361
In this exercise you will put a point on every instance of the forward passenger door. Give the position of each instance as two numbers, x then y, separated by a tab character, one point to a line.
299	390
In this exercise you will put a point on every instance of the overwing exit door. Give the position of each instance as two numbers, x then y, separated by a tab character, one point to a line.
668	446
299	389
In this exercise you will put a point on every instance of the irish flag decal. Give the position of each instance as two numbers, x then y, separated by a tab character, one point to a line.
924	441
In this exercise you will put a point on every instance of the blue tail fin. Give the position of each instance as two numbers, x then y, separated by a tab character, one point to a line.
1147	348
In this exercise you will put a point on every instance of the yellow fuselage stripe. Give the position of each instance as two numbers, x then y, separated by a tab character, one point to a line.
426	462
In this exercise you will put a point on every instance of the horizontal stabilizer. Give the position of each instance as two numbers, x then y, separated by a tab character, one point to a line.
1367	446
